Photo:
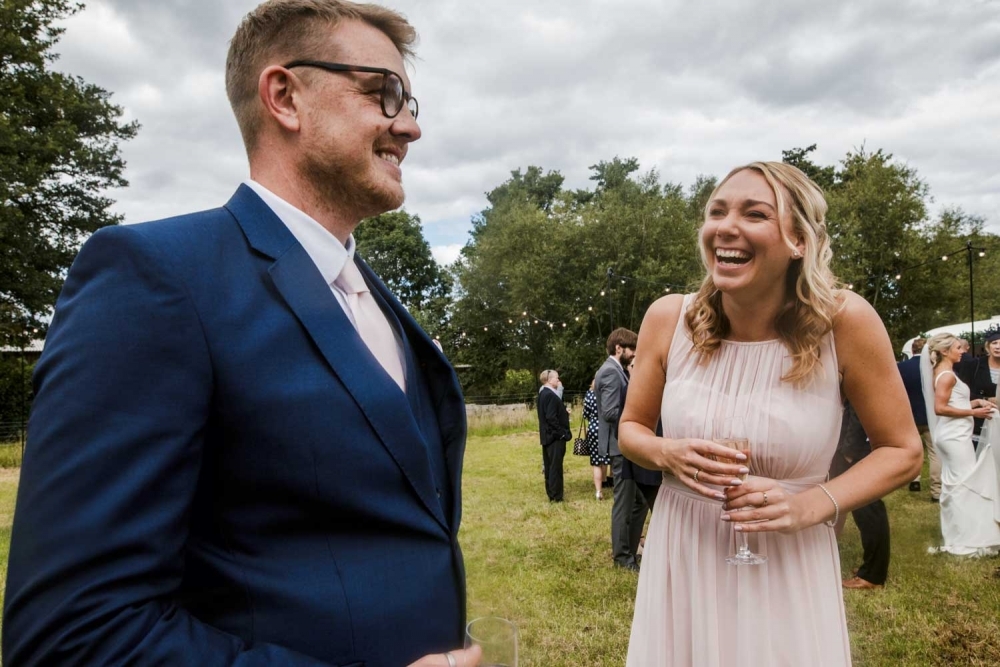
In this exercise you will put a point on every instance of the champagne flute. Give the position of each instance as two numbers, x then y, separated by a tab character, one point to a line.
498	639
735	435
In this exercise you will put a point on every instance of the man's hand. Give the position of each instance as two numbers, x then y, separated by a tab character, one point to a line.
469	657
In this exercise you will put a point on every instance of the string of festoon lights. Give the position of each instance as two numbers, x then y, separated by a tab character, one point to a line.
593	310
944	257
614	279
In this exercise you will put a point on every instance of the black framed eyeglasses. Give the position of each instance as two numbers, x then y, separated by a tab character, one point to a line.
394	95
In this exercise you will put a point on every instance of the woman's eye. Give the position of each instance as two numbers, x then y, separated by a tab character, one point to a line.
759	215
716	212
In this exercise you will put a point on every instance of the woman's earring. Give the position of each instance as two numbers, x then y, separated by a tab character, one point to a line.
796	254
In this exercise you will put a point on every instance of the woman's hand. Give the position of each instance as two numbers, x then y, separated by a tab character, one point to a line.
983	412
694	463
761	504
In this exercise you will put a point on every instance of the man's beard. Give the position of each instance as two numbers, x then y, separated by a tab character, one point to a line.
347	188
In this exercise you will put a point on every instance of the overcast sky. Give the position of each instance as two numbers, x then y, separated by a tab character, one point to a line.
687	87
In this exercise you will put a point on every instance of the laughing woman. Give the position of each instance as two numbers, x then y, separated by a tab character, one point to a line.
768	339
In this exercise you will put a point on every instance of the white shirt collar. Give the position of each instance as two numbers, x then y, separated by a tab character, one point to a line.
325	250
612	358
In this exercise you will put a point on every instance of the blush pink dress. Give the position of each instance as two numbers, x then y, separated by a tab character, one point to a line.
692	609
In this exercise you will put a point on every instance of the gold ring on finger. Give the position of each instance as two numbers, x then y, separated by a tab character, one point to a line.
765	498
696	473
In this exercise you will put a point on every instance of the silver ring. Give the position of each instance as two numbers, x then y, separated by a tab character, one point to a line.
765	499
696	473
451	659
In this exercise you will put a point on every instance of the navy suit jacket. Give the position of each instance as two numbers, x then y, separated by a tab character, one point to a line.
910	372
218	472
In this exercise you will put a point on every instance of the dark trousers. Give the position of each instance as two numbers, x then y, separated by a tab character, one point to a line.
649	492
873	524
552	460
628	514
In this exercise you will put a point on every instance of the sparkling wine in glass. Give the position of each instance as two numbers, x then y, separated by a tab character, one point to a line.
498	639
735	435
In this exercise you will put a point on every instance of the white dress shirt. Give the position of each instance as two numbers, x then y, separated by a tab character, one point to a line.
326	251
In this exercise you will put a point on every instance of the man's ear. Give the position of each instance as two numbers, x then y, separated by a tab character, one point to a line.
278	90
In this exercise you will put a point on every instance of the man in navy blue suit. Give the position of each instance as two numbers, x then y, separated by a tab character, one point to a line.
910	372
243	450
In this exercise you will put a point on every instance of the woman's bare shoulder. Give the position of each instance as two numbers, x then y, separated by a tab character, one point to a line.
854	313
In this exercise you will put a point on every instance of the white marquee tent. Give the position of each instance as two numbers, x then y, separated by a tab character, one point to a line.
957	329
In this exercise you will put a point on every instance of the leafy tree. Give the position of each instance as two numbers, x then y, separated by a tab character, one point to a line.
59	141
530	260
824	177
393	244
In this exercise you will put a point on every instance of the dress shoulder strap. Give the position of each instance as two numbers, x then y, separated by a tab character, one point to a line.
942	373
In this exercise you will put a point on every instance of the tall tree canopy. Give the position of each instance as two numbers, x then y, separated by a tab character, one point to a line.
533	283
59	140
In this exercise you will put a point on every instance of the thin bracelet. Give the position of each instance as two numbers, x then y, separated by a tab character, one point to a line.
836	507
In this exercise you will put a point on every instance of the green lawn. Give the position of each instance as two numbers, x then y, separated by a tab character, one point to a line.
548	568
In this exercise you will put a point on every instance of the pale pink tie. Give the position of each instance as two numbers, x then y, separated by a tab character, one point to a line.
373	327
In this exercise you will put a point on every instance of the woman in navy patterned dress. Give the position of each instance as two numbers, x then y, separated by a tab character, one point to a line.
598	463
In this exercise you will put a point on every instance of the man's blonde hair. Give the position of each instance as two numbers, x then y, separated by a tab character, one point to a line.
278	31
811	299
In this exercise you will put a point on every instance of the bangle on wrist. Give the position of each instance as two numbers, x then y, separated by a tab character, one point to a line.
836	507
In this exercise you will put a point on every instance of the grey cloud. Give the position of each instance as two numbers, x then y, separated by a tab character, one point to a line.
688	88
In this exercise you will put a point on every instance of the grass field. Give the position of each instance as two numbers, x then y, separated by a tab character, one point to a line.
548	567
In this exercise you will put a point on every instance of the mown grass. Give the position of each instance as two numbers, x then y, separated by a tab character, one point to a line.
548	568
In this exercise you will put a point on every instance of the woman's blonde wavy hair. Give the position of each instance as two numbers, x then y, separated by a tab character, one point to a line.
939	344
810	286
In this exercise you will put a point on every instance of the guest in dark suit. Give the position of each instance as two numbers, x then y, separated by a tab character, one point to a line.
910	372
646	481
243	450
629	509
872	519
553	431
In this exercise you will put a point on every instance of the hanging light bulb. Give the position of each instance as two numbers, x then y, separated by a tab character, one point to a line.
486	328
982	253
944	258
602	292
590	308
898	276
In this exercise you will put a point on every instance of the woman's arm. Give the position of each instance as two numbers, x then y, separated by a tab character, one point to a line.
682	458
942	393
874	387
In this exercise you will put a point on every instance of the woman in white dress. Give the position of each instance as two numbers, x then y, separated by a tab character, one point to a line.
769	339
968	476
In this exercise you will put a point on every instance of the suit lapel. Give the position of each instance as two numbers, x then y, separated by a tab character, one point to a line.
443	386
303	288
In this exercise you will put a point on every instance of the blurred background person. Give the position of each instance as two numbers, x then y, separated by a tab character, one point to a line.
599	463
968	484
909	370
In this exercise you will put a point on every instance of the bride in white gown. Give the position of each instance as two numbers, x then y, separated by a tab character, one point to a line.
968	477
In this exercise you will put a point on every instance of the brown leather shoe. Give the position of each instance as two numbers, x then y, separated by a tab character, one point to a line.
859	583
